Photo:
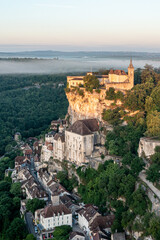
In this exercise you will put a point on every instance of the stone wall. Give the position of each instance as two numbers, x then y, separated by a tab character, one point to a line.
147	146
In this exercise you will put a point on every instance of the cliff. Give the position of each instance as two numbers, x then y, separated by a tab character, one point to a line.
90	105
147	146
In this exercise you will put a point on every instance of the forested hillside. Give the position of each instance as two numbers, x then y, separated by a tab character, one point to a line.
28	103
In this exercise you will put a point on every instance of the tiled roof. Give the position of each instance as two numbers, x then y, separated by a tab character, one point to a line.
73	234
61	136
28	151
100	236
50	210
50	147
117	72
88	212
102	222
57	188
19	160
84	127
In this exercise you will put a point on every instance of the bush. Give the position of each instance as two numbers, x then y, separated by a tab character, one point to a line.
112	116
98	90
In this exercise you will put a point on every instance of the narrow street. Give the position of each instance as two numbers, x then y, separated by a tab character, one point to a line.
29	222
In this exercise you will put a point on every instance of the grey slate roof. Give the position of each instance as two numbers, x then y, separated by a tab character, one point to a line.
84	127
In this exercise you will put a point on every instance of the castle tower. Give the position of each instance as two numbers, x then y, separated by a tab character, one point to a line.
131	74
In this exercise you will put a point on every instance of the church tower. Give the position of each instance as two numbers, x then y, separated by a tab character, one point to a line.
131	74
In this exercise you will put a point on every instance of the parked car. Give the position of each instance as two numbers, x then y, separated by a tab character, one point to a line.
36	229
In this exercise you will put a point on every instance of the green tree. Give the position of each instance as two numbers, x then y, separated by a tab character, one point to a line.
110	94
16	189
30	237
154	227
149	104
4	186
34	204
153	124
139	202
91	82
16	230
153	173
112	116
156	99
62	232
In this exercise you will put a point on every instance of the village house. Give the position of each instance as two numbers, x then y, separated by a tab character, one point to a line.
57	189
100	228
69	202
47	147
35	192
24	174
86	216
45	178
53	216
30	188
46	152
27	151
21	162
59	146
56	123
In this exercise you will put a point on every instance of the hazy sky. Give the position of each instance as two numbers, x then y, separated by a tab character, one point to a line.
80	24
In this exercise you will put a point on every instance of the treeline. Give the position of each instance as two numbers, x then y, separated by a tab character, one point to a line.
13	81
29	111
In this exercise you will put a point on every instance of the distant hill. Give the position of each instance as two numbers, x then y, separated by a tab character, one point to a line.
81	54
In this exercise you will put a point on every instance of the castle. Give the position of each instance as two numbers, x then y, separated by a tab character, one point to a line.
117	79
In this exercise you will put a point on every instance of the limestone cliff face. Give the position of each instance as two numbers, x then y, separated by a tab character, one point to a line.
91	105
147	146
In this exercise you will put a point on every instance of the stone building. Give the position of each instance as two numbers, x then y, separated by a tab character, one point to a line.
80	140
117	79
54	216
59	146
47	147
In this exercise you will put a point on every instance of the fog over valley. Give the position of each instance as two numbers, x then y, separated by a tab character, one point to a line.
61	62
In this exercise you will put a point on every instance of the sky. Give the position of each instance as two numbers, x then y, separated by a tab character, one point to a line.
70	25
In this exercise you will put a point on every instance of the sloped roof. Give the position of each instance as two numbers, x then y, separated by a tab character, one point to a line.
73	234
19	159
102	222
50	210
84	127
88	212
61	136
117	72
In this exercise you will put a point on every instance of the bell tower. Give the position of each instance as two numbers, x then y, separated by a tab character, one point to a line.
131	74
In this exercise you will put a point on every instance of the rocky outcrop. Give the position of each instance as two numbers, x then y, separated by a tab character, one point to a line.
91	105
147	146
